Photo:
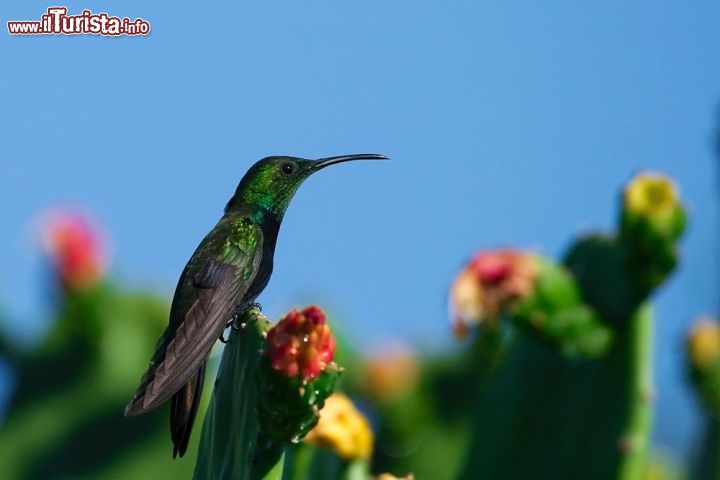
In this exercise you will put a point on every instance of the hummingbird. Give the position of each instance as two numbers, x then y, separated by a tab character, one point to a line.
224	276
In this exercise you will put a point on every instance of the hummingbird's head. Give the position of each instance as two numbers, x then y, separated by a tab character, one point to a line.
271	183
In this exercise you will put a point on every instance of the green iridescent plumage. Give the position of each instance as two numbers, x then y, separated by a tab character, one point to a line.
228	270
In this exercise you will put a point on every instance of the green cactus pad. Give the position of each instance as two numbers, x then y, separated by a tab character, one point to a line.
288	408
554	312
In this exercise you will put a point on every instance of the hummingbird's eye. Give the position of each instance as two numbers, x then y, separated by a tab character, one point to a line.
288	168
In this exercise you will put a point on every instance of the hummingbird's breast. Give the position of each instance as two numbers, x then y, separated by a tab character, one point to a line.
270	228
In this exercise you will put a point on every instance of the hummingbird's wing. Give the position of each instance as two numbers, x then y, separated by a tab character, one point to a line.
210	296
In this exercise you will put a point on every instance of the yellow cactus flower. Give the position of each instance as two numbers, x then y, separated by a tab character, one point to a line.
704	343
343	429
651	195
390	476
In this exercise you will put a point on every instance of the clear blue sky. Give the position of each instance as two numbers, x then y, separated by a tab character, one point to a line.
507	122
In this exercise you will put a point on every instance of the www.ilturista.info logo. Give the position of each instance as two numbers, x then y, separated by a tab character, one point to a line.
57	21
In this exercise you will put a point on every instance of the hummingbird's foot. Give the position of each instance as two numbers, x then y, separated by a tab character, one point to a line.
233	324
240	310
244	307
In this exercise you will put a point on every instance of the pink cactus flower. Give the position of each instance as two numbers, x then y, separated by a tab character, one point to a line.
73	243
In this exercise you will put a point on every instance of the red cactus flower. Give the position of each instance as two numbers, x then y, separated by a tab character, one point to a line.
74	246
301	344
507	270
490	281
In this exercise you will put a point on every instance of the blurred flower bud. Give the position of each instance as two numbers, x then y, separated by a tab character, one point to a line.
652	220
343	429
652	211
389	374
73	243
651	195
510	272
491	281
301	344
390	476
703	347
704	344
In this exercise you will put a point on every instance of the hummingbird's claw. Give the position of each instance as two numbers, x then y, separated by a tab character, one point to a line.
244	307
233	324
240	310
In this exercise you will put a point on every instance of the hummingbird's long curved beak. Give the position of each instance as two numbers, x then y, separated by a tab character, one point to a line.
324	162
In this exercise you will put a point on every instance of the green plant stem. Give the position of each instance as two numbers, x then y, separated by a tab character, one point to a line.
229	447
636	438
305	461
544	415
707	464
711	469
714	473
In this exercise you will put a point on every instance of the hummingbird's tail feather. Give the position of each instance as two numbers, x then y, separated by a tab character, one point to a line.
183	409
